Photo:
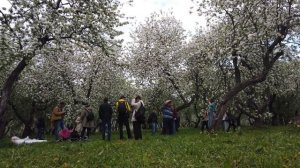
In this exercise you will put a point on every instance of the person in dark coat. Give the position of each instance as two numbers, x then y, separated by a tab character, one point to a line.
105	113
123	110
231	121
41	127
152	121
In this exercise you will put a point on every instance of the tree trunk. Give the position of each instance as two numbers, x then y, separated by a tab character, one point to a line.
268	60
185	104
233	92
6	93
3	124
27	131
29	122
197	123
258	122
275	119
196	112
238	120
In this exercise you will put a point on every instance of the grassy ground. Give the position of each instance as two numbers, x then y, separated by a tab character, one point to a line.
260	147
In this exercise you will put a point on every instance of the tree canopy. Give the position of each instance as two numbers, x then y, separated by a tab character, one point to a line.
247	58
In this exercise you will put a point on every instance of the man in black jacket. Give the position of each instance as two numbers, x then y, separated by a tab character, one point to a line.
105	113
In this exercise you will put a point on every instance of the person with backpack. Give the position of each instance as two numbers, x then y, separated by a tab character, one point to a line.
87	118
123	110
105	114
138	116
167	118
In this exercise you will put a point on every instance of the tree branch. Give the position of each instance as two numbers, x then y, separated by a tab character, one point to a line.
6	22
169	76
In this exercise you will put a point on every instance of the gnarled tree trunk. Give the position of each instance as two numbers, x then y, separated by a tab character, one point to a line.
268	59
6	93
234	91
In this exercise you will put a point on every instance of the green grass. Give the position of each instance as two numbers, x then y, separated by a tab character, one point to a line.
260	147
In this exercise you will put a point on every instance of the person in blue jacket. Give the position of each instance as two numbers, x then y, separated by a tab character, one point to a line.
167	118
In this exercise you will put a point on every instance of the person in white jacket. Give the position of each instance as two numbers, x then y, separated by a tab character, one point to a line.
136	103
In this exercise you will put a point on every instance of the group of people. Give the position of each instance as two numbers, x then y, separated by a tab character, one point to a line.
133	111
130	111
209	117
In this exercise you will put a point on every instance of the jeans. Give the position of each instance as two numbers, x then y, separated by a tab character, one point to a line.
62	124
210	119
153	127
106	127
57	128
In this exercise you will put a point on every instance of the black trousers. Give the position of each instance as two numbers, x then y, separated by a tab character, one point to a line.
231	124
123	121
88	131
204	124
40	133
167	126
137	130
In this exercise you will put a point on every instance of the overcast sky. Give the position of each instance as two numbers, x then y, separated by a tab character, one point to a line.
141	9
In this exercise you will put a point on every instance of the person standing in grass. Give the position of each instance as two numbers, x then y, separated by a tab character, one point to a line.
204	121
78	123
123	110
167	118
231	121
174	130
137	103
41	127
57	118
87	118
152	121
177	122
105	114
212	108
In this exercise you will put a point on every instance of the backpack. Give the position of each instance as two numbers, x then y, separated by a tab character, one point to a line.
140	114
122	108
90	116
